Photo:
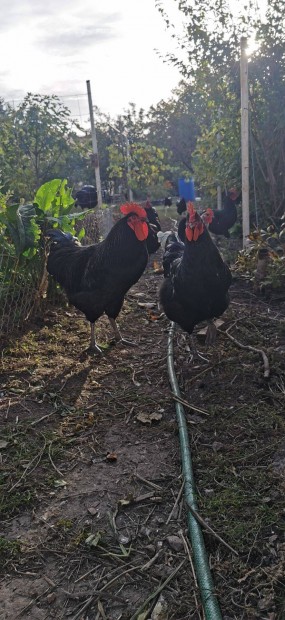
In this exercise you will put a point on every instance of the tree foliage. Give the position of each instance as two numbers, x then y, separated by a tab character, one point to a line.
209	51
135	161
38	142
196	131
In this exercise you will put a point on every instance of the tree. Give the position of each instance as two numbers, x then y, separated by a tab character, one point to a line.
134	161
175	125
39	142
209	61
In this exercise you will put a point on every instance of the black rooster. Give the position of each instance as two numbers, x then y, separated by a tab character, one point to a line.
181	206
167	201
97	277
223	219
86	197
152	216
197	280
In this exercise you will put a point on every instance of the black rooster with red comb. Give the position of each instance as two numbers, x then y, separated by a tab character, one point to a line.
197	280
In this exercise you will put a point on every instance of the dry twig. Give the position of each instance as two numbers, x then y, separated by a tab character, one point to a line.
26	472
176	502
157	591
187	550
266	372
207	527
50	458
186	404
148	482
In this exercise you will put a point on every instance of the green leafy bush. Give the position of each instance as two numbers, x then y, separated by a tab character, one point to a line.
267	245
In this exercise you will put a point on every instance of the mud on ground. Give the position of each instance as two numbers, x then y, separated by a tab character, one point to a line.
93	523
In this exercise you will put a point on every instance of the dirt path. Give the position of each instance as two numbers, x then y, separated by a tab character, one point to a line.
92	517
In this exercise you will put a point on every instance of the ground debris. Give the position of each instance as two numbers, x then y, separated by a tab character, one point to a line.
59	488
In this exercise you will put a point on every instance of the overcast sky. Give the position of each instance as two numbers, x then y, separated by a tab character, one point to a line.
54	46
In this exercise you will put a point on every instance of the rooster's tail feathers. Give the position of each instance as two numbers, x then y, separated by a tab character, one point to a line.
57	236
165	238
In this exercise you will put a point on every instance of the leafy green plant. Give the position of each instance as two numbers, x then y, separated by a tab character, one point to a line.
19	222
55	207
25	246
24	224
270	243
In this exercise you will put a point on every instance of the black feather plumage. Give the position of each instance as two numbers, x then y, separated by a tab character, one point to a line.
97	277
223	219
86	197
197	282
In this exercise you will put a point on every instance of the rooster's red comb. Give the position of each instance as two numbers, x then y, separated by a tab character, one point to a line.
190	207
133	207
191	210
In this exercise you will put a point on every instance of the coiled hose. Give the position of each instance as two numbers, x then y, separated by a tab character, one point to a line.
203	573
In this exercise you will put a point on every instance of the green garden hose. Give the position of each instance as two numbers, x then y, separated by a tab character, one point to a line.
203	573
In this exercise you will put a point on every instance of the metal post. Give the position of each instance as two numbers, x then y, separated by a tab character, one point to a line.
219	197
128	168
94	146
244	140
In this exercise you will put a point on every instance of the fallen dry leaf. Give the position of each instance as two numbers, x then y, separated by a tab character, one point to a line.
111	456
152	316
126	501
93	510
147	304
148	418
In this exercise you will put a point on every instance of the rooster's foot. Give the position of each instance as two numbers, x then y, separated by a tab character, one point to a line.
127	343
118	337
195	355
211	334
93	347
94	350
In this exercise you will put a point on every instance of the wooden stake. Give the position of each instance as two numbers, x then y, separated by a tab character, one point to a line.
244	140
94	146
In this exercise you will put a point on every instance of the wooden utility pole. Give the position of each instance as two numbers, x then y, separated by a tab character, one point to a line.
94	146
219	198
219	189
130	192
244	140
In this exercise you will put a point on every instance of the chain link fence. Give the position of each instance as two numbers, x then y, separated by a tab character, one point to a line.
24	285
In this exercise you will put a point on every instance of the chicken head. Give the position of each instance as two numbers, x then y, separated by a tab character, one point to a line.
136	220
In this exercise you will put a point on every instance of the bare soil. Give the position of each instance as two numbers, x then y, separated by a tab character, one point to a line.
93	522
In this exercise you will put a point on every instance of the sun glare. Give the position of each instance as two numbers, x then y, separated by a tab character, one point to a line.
252	47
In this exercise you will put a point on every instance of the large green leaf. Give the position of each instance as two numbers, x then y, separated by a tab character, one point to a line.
54	197
21	226
55	206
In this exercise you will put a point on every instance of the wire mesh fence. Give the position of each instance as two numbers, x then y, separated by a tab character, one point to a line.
19	290
24	285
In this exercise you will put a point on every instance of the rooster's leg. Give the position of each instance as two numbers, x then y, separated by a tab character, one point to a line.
93	345
118	335
211	333
195	354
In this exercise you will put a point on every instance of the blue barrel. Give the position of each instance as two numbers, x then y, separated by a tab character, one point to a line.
186	189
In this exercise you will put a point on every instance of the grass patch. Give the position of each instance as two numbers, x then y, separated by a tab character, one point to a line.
9	549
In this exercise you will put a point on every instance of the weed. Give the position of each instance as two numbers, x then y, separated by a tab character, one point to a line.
9	548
